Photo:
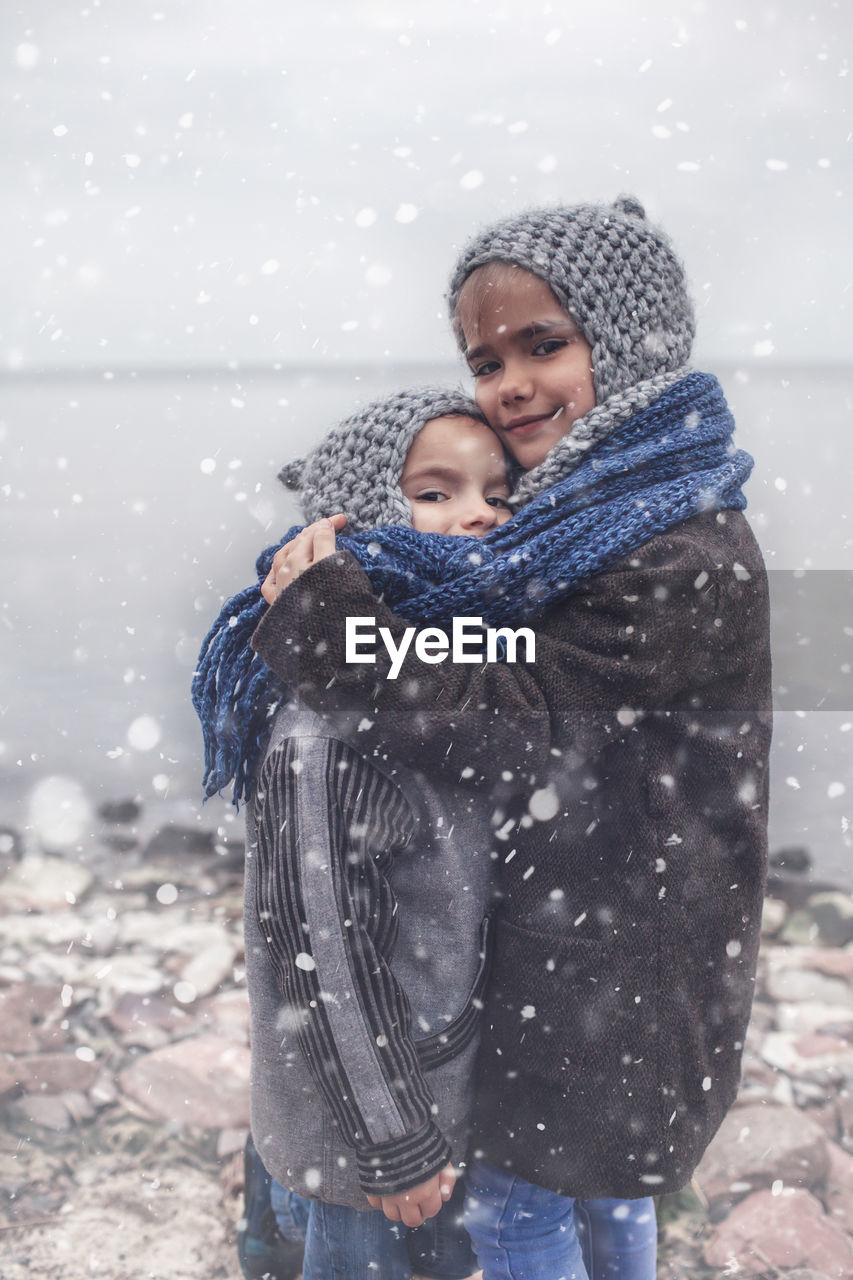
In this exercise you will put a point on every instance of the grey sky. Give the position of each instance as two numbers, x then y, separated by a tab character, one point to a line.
203	181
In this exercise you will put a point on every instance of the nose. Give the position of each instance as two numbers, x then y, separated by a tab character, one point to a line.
515	383
479	518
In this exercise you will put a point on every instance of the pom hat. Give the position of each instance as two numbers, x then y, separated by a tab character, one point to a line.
614	272
356	468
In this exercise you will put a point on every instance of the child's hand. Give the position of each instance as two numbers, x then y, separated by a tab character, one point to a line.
314	543
414	1206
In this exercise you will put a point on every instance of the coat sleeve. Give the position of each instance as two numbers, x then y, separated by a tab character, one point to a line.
328	827
658	627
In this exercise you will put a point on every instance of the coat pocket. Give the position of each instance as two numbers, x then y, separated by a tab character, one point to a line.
576	1013
437	1049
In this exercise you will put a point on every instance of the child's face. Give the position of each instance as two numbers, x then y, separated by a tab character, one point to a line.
532	365
455	478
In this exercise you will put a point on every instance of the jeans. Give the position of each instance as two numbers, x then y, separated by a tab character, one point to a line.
523	1232
355	1244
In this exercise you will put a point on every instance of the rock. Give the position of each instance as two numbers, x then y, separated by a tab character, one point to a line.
102	936
29	1018
833	914
79	1107
837	1194
130	1012
801	1018
799	929
118	842
227	1014
9	1079
229	1141
845	1118
806	985
796	859
787	1230
826	1115
103	1092
11	849
147	1038
155	928
783	1092
120	812
125	973
822	1059
209	969
808	1094
806	1274
55	1073
176	841
202	1081
42	882
801	1273
835	962
832	961
756	1146
774	913
47	1110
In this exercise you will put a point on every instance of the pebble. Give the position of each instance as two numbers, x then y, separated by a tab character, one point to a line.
784	1230
210	967
42	882
757	1145
55	1073
120	812
130	1001
201	1081
838	1195
773	916
808	985
833	915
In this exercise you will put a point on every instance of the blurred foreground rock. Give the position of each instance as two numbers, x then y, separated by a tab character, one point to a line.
124	1073
123	1055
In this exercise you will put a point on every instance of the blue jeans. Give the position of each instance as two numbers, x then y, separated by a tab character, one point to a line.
523	1232
354	1244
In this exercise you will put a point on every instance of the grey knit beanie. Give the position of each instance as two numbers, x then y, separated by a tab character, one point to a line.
613	271
356	468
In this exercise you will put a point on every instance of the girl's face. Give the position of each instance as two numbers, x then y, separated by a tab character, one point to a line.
455	478
531	364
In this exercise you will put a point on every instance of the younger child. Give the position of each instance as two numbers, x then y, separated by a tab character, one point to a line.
368	891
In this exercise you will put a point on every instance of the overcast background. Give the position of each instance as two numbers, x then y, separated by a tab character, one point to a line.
223	222
268	181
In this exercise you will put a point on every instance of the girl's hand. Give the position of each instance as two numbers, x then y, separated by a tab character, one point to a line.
414	1206
314	543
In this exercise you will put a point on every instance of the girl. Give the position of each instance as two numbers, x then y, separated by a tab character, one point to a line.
367	890
627	940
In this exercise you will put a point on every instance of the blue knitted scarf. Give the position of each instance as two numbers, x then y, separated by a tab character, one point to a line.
669	462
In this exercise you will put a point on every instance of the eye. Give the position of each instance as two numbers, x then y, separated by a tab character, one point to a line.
430	495
549	345
483	370
496	500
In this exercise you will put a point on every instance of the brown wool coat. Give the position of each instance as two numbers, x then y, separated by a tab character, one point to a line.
627	940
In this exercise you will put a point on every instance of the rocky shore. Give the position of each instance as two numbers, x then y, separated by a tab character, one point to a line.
124	1070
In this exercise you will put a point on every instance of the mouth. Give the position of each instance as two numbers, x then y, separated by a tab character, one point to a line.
531	423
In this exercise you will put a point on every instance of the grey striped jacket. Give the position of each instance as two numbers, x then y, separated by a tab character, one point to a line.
367	899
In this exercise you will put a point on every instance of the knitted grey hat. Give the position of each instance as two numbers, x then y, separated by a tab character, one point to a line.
612	270
356	468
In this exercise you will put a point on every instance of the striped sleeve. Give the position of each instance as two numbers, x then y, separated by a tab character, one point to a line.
328	827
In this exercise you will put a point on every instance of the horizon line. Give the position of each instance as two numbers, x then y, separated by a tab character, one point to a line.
130	371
